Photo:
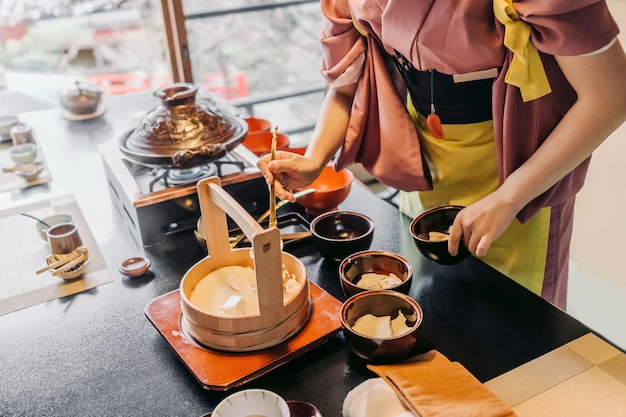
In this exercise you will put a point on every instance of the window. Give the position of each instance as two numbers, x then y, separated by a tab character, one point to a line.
265	51
262	55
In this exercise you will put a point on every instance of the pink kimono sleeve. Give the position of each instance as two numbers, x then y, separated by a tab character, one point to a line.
341	43
519	127
568	27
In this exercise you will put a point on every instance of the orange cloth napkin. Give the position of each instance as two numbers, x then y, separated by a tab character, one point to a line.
432	386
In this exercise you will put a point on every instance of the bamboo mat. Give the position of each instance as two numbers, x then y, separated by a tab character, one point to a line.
586	377
24	252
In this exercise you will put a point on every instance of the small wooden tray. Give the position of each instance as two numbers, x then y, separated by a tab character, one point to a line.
221	371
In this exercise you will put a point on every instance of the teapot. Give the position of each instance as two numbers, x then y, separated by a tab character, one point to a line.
84	99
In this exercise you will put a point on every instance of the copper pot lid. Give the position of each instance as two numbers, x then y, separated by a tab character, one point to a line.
181	132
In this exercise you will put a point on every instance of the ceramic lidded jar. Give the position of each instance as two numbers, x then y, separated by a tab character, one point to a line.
182	132
84	99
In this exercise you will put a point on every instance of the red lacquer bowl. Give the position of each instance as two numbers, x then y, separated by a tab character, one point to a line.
331	187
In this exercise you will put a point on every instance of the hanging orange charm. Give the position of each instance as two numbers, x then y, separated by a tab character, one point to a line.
434	125
433	122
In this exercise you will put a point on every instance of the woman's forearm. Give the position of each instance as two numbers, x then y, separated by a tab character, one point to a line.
600	83
332	124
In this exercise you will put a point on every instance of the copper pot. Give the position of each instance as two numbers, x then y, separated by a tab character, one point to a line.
181	132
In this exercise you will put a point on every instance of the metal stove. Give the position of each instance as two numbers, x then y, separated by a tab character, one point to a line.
157	203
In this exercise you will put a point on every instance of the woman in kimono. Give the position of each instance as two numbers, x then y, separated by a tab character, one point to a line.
509	100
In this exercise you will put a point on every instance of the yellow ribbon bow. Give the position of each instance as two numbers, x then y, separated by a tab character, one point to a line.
526	69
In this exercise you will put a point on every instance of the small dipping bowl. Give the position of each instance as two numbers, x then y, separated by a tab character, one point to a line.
435	246
51	221
24	153
32	173
379	262
135	267
337	234
383	303
252	402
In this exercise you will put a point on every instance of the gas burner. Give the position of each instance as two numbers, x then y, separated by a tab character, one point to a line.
183	176
151	199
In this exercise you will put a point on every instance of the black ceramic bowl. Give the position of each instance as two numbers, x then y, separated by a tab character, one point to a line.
381	263
429	231
383	304
337	234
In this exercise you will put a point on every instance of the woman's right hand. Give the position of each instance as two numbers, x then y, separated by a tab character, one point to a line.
290	171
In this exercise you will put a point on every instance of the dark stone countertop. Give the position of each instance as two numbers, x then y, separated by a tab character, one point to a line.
97	353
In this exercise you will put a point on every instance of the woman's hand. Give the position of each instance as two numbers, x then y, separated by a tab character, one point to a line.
290	171
481	223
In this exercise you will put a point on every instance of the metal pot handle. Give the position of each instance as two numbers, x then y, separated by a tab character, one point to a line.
204	154
178	93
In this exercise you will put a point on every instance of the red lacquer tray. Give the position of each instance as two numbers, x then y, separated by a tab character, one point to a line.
220	371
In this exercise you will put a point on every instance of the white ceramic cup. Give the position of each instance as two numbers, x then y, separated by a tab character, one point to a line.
22	133
52	220
252	403
63	238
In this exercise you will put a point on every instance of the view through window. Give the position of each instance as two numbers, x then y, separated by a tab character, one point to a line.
238	49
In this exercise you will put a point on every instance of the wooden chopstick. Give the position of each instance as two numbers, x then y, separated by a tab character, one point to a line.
234	241
22	168
272	222
81	258
66	259
295	235
283	236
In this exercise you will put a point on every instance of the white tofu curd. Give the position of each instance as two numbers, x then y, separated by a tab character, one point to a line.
381	327
374	281
231	291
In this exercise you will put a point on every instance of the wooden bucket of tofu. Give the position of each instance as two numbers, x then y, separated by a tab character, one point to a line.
242	299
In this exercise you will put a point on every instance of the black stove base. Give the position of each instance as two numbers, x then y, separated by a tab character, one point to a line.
154	224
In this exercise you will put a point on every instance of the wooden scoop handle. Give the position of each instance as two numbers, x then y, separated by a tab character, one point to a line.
215	203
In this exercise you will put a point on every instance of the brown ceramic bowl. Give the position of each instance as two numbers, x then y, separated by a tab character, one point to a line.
381	263
337	234
381	304
429	230
332	187
260	143
256	124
